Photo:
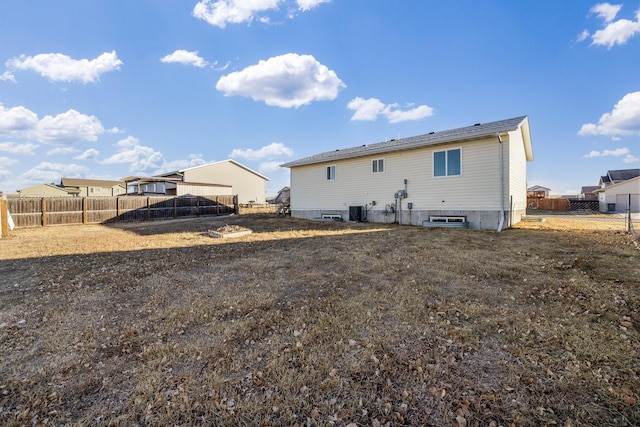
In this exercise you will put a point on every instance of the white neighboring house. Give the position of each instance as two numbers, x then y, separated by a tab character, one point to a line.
615	197
477	173
538	191
221	178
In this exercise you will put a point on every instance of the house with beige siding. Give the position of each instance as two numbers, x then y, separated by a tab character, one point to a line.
475	175
92	187
43	190
77	187
221	178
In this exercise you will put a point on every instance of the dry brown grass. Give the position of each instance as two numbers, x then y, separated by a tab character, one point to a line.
316	323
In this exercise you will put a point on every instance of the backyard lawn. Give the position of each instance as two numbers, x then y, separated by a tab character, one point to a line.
318	323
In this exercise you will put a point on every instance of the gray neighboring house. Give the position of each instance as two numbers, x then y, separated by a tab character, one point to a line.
476	174
617	176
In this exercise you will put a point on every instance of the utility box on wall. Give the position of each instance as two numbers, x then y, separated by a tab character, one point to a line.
355	213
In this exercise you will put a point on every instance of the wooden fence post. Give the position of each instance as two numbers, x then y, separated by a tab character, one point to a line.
236	207
84	210
118	208
4	216
175	207
149	208
217	206
43	211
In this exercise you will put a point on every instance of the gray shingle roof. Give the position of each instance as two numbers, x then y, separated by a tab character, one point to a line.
79	182
623	174
432	138
589	189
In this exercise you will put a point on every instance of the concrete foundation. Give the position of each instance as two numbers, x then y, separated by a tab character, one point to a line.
478	220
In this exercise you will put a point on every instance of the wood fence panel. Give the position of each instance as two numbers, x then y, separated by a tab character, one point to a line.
548	204
64	210
38	211
161	207
25	211
101	209
133	208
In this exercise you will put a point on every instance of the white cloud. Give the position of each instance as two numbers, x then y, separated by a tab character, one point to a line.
606	11
16	119
223	12
53	172
17	148
61	151
365	109
6	161
613	32
305	5
66	128
583	36
139	157
417	113
193	161
623	120
618	32
286	81
271	151
370	109
630	158
89	154
60	67
7	77
269	167
615	153
182	56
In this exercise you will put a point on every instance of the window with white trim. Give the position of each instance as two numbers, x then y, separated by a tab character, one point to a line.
377	166
447	162
331	173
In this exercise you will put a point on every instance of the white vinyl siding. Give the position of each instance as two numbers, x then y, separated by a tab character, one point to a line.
477	189
516	172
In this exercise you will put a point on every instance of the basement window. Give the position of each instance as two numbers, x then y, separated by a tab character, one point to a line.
447	162
377	166
331	173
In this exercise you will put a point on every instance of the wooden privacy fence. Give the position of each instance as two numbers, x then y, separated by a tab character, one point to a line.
43	211
548	204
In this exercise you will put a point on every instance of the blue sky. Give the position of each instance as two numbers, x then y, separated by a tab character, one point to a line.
111	88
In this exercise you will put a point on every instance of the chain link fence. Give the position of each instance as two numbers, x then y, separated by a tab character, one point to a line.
585	215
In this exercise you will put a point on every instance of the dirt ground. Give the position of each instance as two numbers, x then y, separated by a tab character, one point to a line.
318	323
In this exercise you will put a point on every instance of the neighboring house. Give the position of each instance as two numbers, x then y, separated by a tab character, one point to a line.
615	197
219	178
615	176
93	187
538	191
44	190
476	173
587	192
164	186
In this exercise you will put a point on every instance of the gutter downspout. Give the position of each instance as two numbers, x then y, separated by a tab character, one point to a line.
501	224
